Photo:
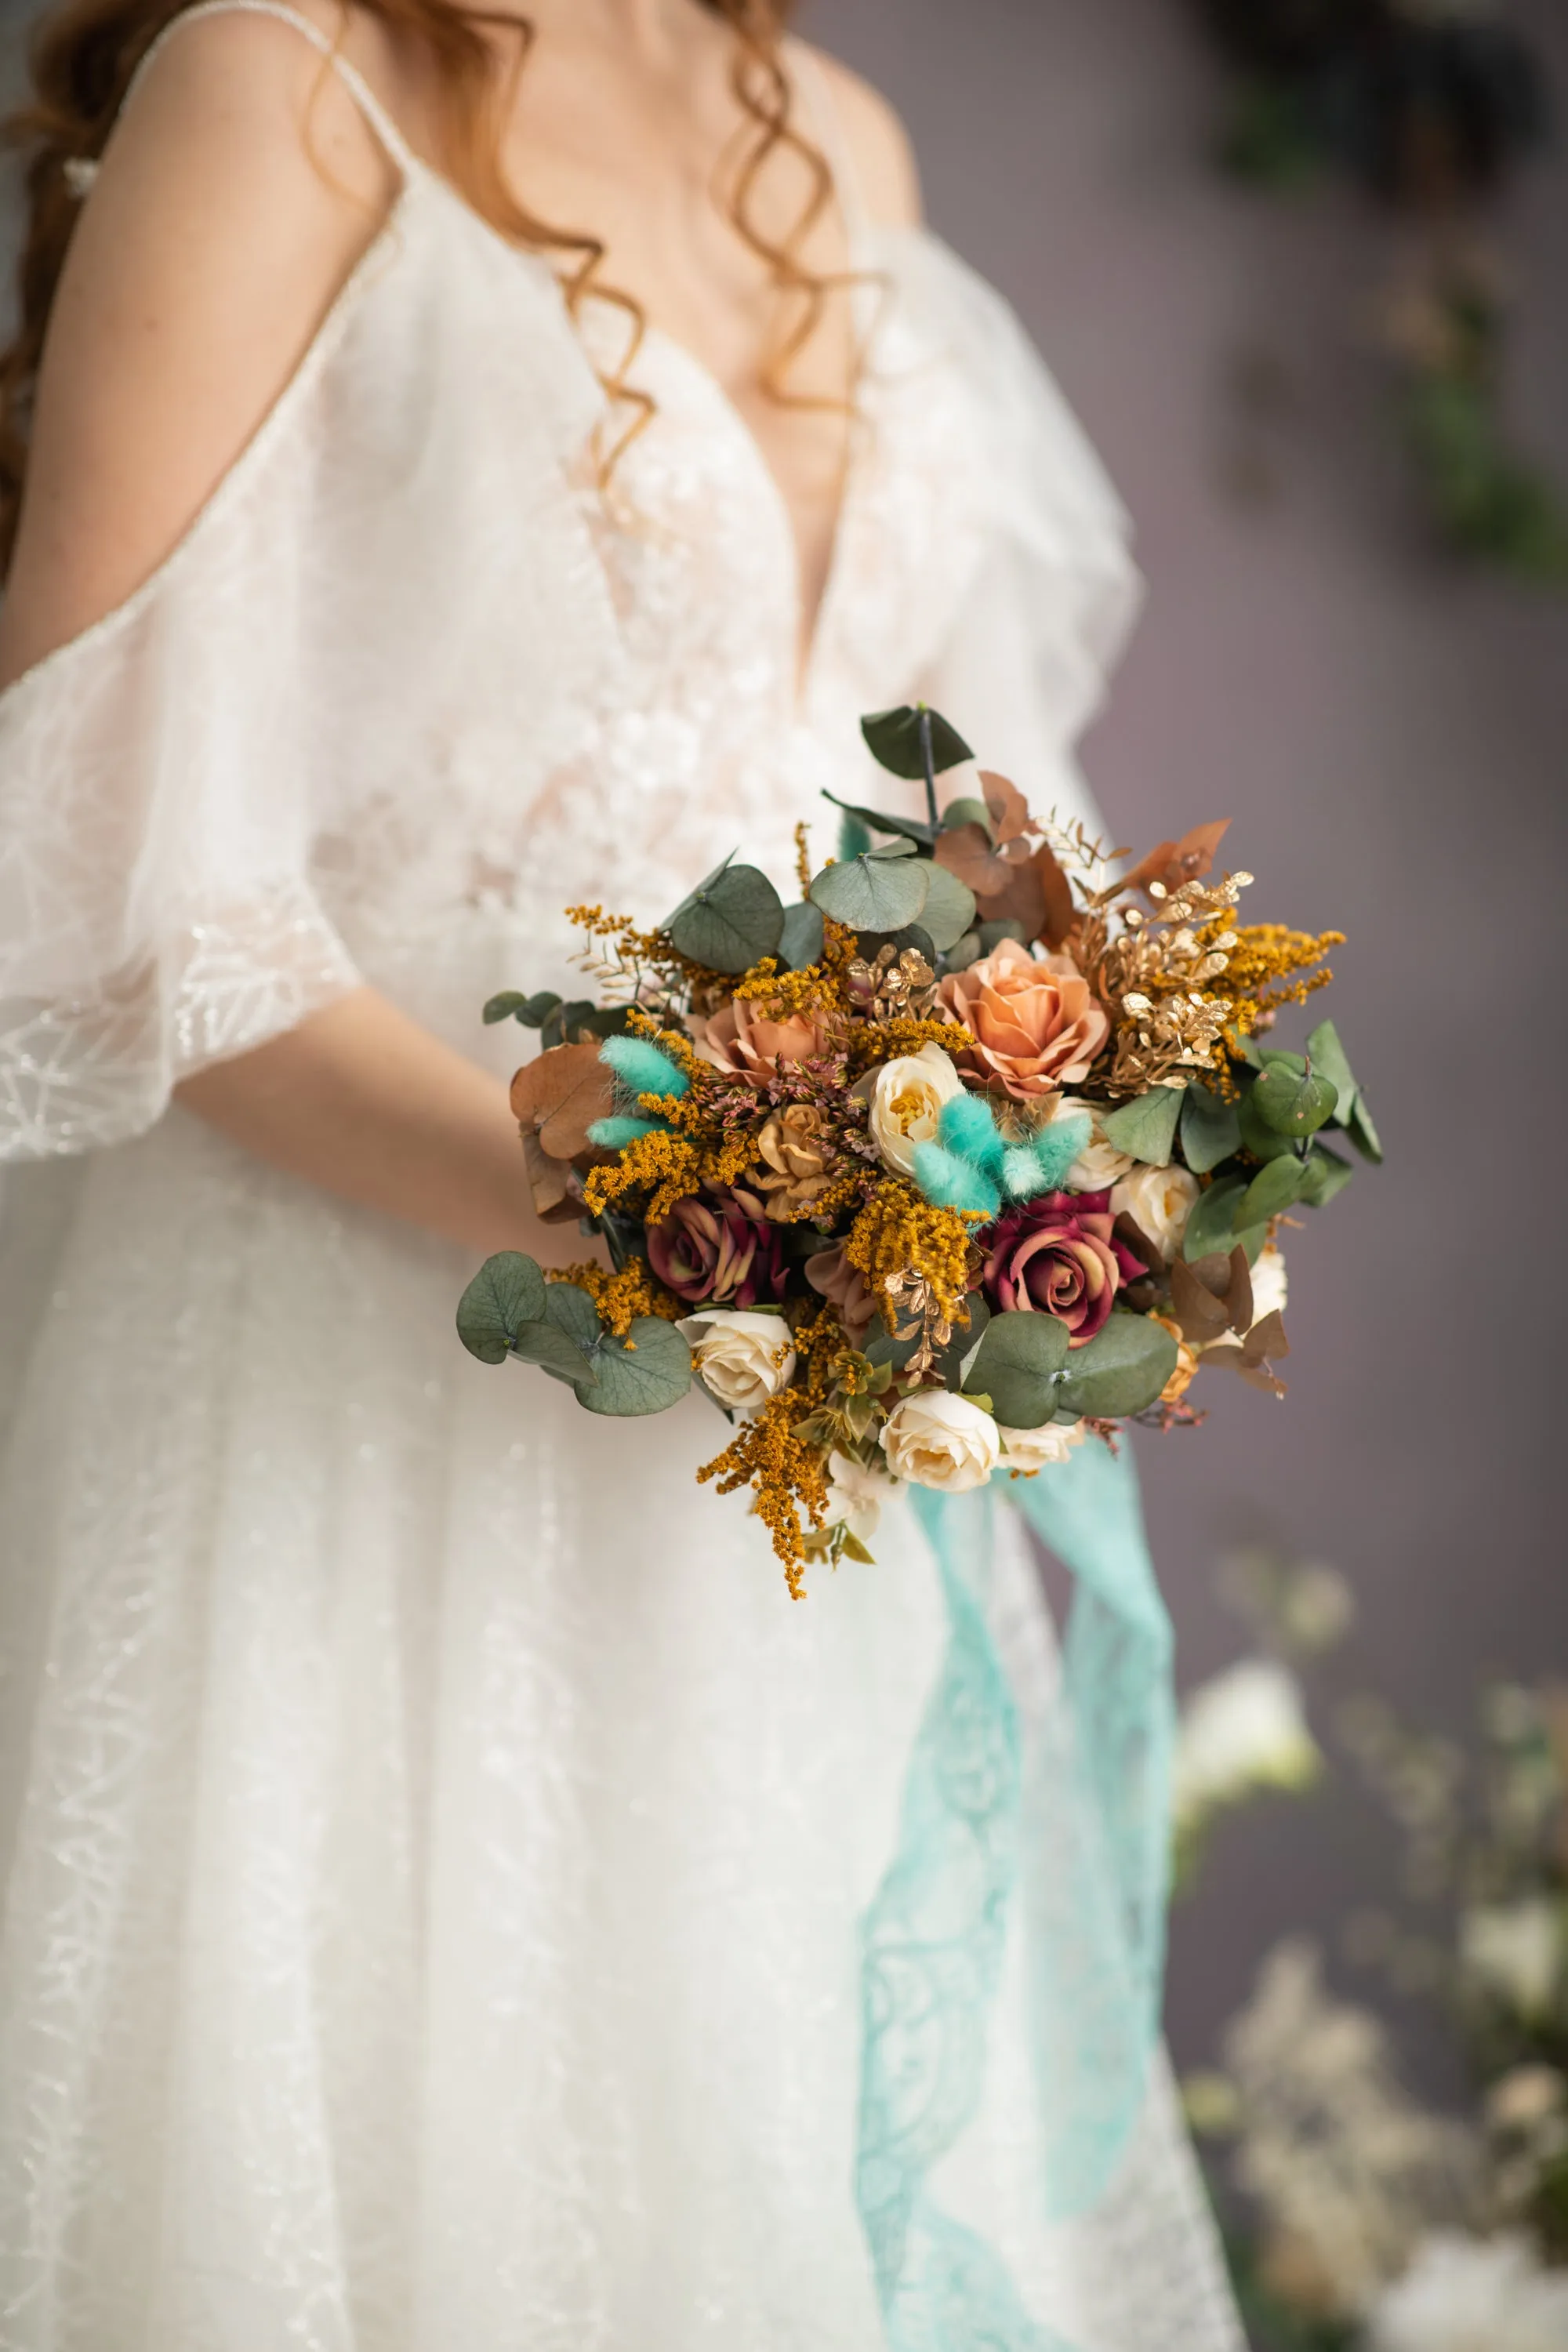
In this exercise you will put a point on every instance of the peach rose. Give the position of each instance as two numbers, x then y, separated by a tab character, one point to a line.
1036	1026
745	1041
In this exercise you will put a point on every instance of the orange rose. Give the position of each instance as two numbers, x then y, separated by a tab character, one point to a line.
745	1040
1036	1026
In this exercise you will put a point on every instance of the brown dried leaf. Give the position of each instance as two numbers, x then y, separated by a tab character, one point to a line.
1175	862
560	1093
1060	912
1201	1314
966	852
549	1180
1008	810
1239	1294
1019	897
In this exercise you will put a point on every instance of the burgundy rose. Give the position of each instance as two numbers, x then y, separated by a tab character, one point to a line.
717	1247
1057	1256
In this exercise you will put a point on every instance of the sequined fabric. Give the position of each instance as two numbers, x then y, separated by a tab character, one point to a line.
435	1846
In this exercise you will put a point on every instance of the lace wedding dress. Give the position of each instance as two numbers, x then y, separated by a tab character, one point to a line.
436	1850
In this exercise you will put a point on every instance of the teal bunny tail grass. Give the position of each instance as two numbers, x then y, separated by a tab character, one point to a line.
949	1182
1043	1163
641	1068
969	1129
615	1134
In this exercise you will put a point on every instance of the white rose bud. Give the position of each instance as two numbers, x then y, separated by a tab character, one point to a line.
855	1495
906	1103
742	1360
936	1439
1269	1286
1099	1164
1159	1200
1039	1449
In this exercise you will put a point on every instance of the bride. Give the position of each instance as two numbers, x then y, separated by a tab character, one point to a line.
458	465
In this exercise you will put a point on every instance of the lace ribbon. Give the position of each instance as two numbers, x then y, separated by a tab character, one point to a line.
1060	1813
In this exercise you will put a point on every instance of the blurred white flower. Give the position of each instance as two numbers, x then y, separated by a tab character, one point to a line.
855	1495
1470	2295
907	1096
1270	1286
1099	1164
1515	1951
1038	1449
741	1358
1245	1729
940	1441
1159	1200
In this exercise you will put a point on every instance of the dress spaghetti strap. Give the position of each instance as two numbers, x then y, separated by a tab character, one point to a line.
82	172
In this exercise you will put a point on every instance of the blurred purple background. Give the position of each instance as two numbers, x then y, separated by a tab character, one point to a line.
1388	733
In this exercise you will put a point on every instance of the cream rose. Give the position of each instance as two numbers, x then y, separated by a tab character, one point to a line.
1269	1285
742	1360
1099	1164
936	1439
906	1103
855	1495
1039	1449
1159	1200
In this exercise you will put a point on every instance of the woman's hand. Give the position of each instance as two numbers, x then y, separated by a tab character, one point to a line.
363	1101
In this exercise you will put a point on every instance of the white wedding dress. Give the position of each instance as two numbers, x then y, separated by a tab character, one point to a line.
435	1846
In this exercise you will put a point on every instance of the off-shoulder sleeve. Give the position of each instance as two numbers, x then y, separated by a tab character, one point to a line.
1055	592
155	819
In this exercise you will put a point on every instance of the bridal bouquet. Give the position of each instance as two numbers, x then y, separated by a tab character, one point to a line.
971	1153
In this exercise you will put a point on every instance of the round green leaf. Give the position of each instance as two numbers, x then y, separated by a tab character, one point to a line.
551	1349
873	893
1274	1188
507	1290
893	738
1327	1174
1293	1106
1020	1358
1209	1228
731	921
1146	1126
573	1313
800	942
1362	1133
1331	1062
1210	1129
949	909
1120	1370
966	812
502	1007
1263	1142
647	1371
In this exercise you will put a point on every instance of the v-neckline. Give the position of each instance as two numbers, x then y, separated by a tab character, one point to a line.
809	633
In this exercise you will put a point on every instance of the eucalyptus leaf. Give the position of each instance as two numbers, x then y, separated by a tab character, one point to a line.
893	738
1327	1174
949	909
1263	1142
1210	1129
647	1371
873	894
1276	1057
554	1352
1120	1370
502	1007
1017	1362
571	1310
1146	1126
1362	1133
1004	927
507	1290
1331	1062
962	952
1210	1227
966	812
731	921
574	1022
1291	1105
909	828
800	942
1274	1188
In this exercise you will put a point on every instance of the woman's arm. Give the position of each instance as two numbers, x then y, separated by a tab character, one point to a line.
235	196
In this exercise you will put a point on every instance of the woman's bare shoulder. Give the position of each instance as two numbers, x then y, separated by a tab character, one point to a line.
235	195
878	142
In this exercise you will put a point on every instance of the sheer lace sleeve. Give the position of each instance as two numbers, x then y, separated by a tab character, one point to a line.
1056	592
155	790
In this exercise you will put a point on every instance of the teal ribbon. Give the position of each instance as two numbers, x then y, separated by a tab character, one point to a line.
1052	1816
